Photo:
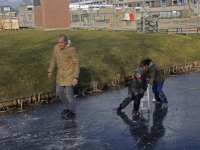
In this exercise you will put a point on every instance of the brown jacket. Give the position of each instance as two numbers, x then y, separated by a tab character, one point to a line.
68	64
154	74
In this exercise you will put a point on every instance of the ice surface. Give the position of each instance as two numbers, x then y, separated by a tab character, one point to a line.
98	126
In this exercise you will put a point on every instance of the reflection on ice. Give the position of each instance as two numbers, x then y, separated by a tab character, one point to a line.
140	128
98	126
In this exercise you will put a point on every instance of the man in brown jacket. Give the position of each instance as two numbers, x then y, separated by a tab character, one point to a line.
65	56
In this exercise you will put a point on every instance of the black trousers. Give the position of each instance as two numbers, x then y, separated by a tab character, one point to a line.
136	99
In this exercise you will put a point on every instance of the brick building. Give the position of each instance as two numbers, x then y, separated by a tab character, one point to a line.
51	14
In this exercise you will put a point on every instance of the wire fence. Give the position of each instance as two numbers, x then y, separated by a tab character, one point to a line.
26	22
115	19
121	21
103	20
140	21
9	22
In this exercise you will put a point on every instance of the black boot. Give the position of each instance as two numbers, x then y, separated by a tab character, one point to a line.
64	112
70	114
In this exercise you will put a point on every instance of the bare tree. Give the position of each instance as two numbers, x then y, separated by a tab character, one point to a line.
26	2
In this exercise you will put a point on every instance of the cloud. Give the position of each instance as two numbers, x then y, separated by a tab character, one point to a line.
15	1
12	3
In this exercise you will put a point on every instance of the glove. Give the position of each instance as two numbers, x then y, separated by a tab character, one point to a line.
136	93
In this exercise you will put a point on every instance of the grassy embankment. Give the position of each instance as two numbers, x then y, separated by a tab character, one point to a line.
25	56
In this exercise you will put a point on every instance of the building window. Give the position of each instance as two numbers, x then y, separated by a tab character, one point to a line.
6	8
181	2
152	3
163	3
147	3
30	9
137	4
128	5
174	2
195	1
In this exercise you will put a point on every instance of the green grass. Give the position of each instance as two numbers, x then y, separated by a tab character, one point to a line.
163	30
25	56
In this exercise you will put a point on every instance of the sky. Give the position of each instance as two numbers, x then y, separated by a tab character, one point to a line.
12	3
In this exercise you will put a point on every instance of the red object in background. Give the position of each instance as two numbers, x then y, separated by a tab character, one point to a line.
131	16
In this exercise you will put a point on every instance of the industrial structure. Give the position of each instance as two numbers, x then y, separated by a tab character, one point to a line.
146	15
26	16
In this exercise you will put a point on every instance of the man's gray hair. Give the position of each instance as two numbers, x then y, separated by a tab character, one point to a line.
63	36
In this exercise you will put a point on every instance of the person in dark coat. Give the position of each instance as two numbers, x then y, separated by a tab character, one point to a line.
136	90
156	78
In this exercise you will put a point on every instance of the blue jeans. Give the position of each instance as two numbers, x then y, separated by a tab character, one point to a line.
158	92
68	97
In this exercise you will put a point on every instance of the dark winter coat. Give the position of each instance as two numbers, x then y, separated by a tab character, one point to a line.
138	85
154	74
